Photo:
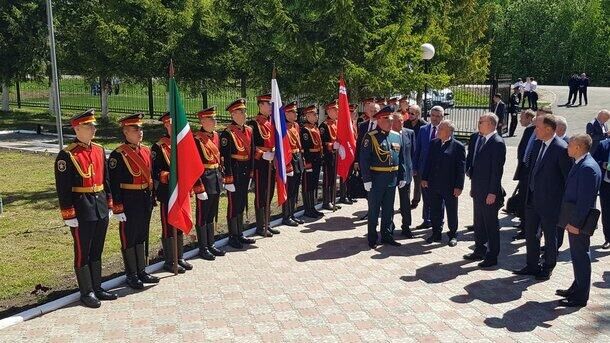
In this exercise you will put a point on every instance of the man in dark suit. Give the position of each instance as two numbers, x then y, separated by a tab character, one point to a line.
550	165
485	166
408	152
426	134
583	84
521	173
602	157
597	128
415	123
499	109
513	109
443	178
582	186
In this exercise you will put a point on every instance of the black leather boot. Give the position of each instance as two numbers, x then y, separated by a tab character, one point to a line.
312	196
240	227
202	242
260	222
96	281
141	266
181	261
129	258
87	297
209	231
234	234
293	205
168	254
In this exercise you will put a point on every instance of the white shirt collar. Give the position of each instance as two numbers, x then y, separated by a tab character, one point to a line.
489	135
547	142
443	142
581	158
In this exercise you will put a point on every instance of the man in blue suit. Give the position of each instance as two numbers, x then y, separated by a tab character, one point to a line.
521	174
582	186
443	178
602	157
550	165
485	166
408	151
426	134
597	128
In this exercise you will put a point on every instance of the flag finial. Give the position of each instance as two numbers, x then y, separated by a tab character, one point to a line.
274	72
171	68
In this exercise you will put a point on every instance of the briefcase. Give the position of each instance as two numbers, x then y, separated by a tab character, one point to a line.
355	185
588	226
513	203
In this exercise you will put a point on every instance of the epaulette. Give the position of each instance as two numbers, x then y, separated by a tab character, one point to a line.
372	132
70	147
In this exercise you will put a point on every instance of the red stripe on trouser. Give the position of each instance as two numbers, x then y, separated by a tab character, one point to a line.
229	205
163	221
122	234
78	256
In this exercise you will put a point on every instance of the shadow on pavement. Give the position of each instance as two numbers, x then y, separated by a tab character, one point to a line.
529	316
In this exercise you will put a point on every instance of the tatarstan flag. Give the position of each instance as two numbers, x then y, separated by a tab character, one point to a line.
345	133
185	169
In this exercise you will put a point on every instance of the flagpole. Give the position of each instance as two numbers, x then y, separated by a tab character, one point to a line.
54	75
269	170
174	134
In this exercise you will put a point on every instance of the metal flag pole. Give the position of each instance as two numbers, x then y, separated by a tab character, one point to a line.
55	80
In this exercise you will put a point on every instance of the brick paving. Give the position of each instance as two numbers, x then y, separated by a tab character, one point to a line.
320	282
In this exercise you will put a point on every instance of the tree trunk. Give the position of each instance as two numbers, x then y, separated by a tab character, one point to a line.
104	98
5	97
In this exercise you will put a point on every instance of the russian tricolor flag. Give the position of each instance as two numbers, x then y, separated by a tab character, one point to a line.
283	154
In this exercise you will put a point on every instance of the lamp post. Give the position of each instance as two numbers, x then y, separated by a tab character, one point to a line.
427	50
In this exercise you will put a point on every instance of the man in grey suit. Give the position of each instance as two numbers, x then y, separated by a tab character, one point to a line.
408	151
597	128
485	166
562	128
545	188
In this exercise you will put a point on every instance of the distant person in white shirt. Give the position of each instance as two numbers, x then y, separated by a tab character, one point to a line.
533	94
527	86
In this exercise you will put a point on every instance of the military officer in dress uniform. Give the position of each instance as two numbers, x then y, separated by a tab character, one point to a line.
236	152
209	186
263	154
131	181
383	167
297	165
311	142
161	154
328	131
85	200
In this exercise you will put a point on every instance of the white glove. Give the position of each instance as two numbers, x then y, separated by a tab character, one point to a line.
250	184
290	174
336	145
308	170
110	214
367	186
230	187
268	155
342	152
401	184
71	222
121	217
202	196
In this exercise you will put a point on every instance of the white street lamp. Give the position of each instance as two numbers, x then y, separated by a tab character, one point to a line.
427	51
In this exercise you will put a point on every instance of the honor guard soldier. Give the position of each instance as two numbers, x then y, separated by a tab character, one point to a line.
297	164
236	152
161	154
85	201
345	197
328	131
209	186
383	168
131	181
263	155
311	142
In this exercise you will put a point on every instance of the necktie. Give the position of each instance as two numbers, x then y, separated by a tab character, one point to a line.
481	142
433	135
540	155
535	167
528	149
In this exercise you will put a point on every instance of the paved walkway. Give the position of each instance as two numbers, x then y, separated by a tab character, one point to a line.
321	282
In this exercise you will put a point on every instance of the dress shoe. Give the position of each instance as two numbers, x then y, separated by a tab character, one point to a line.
345	201
544	274
372	245
433	239
526	271
486	263
406	232
606	245
274	231
571	303
473	257
353	200
289	222
469	227
423	226
311	214
297	220
215	251
102	294
318	213
329	206
452	242
520	235
147	278
134	282
170	268
246	240
364	217
414	204
206	254
261	232
90	300
235	243
182	262
564	292
390	241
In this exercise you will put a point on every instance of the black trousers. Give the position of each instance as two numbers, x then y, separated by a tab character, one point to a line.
166	229
417	188
604	199
137	207
582	92
404	196
89	238
532	241
206	210
261	183
533	100
329	180
310	180
514	120
572	95
236	201
486	228
438	200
